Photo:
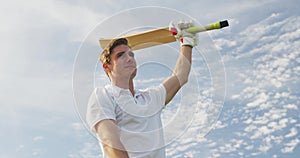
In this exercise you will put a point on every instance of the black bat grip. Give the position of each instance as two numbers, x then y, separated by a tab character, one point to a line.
224	23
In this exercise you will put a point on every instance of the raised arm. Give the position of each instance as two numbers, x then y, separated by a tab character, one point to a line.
183	66
108	133
180	74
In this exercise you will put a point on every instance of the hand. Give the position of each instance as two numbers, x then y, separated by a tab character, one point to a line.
179	31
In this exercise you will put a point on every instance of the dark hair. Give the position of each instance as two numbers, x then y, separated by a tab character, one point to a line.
106	53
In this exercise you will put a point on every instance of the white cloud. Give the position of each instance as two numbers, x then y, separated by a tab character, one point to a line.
290	146
219	125
20	147
265	147
88	150
38	138
291	106
293	132
250	147
266	82
38	50
34	15
261	98
149	80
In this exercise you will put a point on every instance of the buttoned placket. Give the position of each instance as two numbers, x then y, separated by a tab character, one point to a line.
117	91
131	104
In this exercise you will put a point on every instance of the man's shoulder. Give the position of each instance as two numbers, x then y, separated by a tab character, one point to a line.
101	96
100	91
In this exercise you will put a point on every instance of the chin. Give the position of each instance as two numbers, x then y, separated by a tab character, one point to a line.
133	74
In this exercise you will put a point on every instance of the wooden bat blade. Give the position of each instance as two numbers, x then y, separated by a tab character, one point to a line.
145	39
160	36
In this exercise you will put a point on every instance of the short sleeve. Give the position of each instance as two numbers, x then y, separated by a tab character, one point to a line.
100	107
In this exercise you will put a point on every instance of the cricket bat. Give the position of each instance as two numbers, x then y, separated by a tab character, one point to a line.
159	36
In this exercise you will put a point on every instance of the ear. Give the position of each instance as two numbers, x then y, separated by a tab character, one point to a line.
106	67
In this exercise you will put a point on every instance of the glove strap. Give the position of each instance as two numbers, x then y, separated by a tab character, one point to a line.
188	41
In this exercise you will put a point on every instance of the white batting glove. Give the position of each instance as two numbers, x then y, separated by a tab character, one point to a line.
179	31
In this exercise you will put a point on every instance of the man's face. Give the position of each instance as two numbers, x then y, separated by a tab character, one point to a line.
123	64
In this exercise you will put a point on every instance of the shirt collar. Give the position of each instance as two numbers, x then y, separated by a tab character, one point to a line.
116	91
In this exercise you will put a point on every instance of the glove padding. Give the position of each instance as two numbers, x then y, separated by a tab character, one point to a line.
179	31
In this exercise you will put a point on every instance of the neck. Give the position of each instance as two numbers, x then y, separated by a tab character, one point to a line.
124	84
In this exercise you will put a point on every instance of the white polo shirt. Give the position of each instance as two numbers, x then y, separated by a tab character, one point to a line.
138	117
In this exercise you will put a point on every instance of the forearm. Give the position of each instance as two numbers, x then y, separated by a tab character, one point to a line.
183	65
109	135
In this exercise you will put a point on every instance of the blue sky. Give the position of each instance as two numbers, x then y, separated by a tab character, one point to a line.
49	66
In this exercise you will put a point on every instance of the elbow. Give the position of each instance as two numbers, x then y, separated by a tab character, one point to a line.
183	77
183	81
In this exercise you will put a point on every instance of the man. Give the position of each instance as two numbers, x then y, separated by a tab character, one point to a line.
127	121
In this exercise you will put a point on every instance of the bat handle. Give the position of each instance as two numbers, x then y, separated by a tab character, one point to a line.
213	26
